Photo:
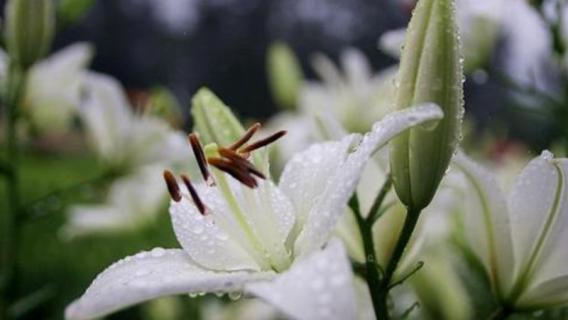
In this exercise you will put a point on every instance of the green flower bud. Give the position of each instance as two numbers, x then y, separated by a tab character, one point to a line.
284	74
216	124
213	120
71	11
430	72
30	27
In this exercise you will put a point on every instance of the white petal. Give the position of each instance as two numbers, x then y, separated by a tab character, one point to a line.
309	173
152	140
334	188
149	275
357	69
326	70
132	202
106	115
527	65
486	220
539	217
54	86
548	294
214	240
319	286
391	42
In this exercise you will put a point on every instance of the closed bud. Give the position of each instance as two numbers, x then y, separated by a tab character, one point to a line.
30	27
284	74
213	120
430	72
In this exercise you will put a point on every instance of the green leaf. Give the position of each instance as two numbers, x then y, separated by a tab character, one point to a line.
71	11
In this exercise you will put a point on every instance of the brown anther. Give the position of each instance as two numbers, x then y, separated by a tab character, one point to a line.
238	172
240	161
200	158
194	196
173	187
263	142
246	137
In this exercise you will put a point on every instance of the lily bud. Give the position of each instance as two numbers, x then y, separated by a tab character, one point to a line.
430	72
213	120
284	74
30	27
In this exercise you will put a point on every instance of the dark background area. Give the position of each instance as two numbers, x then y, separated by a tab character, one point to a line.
222	43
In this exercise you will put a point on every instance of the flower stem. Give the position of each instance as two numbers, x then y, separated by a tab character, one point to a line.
10	218
501	313
403	240
373	276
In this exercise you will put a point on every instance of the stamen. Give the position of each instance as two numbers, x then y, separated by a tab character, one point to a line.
246	137
194	196
240	173
173	187
200	157
263	142
240	161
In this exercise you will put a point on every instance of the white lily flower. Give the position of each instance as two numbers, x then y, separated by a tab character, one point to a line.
354	95
122	138
132	201
134	145
528	65
53	87
520	239
262	238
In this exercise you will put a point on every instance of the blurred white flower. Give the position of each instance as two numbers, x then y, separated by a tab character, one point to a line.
132	202
354	95
53	88
122	138
529	65
136	146
520	239
265	239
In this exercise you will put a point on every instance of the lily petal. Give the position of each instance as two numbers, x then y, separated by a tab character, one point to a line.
319	286
149	275
105	114
539	217
54	87
308	173
213	240
486	216
132	201
548	294
336	187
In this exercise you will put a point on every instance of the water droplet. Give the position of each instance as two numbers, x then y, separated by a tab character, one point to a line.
235	295
157	252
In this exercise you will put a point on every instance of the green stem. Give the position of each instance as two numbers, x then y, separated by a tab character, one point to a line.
27	209
501	313
10	219
375	212
403	240
371	268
